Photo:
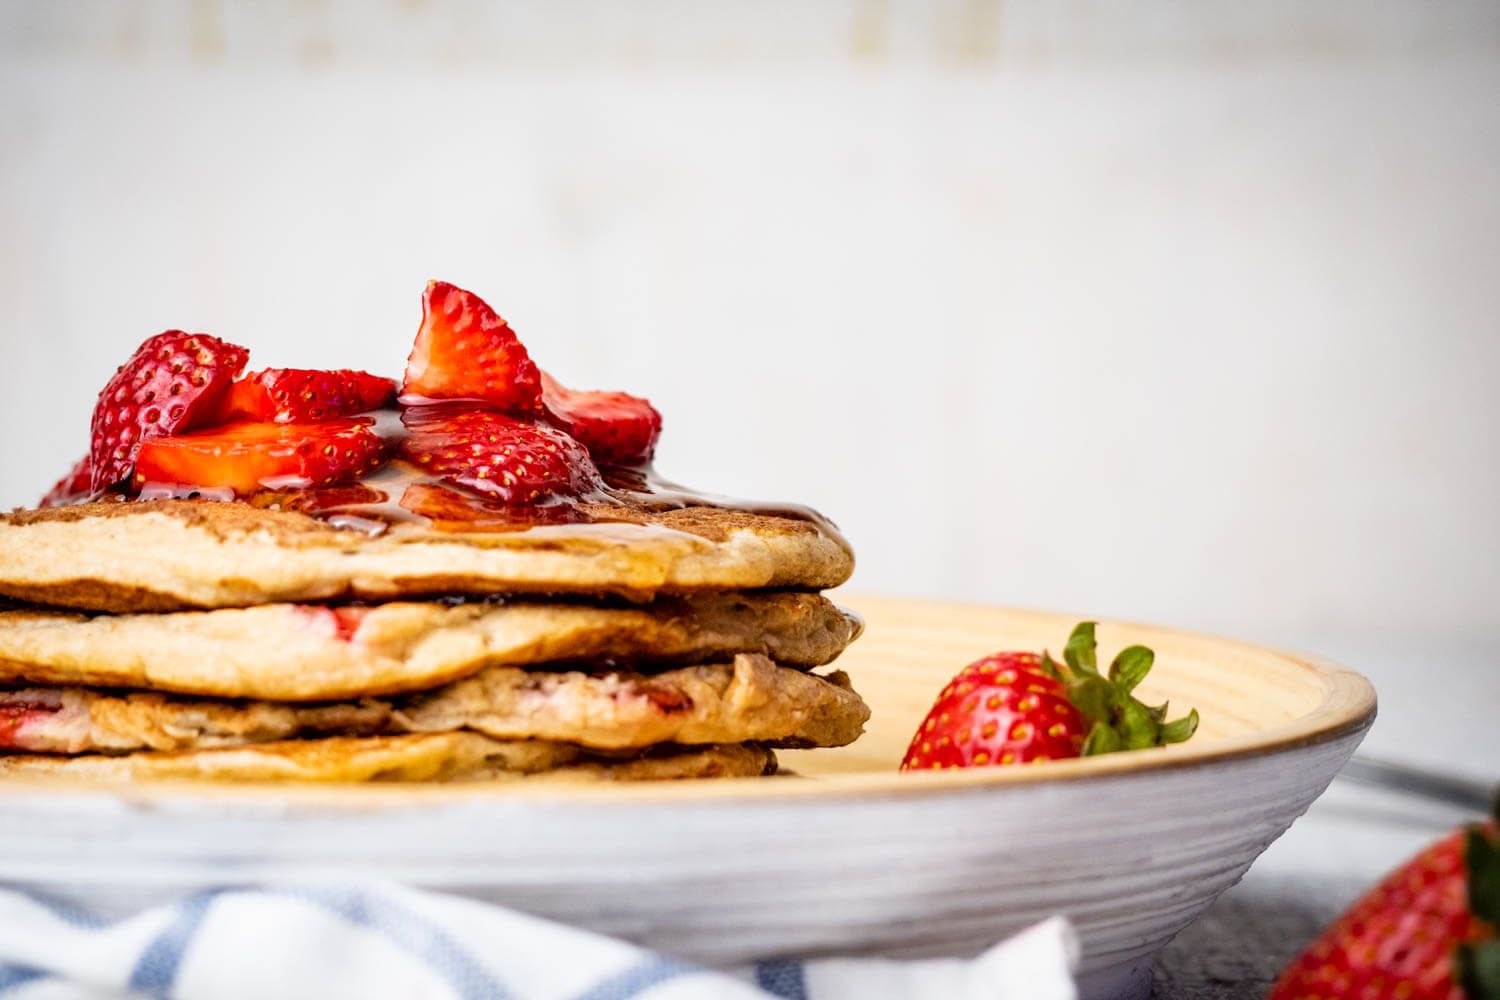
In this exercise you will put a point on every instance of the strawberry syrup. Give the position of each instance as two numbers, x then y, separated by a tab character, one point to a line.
398	492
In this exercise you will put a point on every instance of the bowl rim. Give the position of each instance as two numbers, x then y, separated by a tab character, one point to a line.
1348	707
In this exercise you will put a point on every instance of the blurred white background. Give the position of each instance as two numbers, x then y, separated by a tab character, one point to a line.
1187	313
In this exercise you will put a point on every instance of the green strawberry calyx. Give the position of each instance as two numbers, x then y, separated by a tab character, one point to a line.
1478	962
1119	721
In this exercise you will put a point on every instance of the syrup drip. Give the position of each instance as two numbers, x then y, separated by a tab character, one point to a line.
643	489
401	493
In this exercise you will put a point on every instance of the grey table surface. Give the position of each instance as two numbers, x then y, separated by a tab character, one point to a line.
1437	709
1346	842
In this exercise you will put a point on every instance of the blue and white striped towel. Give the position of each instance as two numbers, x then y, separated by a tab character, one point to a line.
371	940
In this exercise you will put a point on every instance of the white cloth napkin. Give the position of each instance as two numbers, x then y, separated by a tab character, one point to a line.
370	940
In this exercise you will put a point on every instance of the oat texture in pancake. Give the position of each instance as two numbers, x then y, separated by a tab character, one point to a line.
285	652
437	757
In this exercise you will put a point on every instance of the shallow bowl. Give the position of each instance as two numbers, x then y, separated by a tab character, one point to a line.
852	858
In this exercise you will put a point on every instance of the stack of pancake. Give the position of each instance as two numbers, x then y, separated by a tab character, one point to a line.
292	574
182	638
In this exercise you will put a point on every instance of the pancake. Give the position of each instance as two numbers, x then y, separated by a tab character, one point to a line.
287	652
750	700
428	758
171	555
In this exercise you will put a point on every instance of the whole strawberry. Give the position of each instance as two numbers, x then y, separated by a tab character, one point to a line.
172	381
1427	932
1016	707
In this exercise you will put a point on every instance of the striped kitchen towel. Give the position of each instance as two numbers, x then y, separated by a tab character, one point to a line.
372	940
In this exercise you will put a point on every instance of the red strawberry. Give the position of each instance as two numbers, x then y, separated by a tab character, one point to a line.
1010	708
19	710
619	429
1427	932
171	381
465	351
458	510
248	457
343	621
515	461
73	487
301	395
318	500
1002	709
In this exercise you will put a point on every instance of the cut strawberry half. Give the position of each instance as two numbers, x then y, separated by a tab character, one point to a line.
618	428
302	395
73	487
464	350
514	461
171	382
247	457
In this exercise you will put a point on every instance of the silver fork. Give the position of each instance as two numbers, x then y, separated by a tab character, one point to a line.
1466	793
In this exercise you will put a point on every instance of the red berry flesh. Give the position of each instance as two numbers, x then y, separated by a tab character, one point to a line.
171	382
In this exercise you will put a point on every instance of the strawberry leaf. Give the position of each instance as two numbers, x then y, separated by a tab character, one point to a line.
1081	651
1137	728
1483	858
1181	729
1479	970
1131	666
1101	739
1120	720
1091	695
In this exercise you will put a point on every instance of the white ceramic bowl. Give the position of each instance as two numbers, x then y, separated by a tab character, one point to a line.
857	860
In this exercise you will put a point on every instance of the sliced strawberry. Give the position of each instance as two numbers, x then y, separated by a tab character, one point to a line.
465	351
167	386
73	487
514	461
618	428
318	500
23	710
302	395
455	510
343	621
248	457
349	619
